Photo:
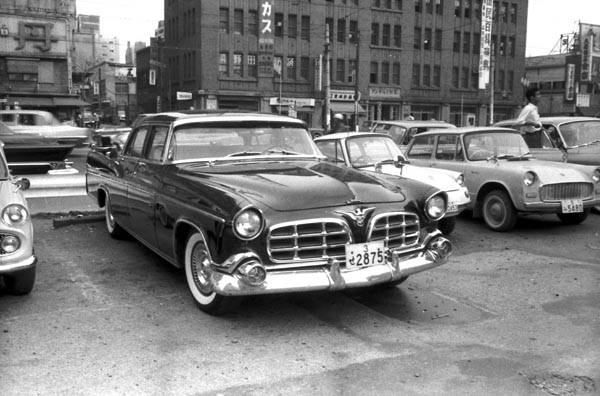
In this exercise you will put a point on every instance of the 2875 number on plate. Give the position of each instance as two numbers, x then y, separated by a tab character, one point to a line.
365	254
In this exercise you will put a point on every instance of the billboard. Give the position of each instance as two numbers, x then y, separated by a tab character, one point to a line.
570	82
265	39
487	9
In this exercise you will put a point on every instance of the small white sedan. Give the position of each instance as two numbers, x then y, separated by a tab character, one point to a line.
378	152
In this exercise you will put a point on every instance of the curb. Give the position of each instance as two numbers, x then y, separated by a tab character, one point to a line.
62	220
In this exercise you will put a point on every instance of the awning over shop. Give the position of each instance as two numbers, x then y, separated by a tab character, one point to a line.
30	101
69	102
345	108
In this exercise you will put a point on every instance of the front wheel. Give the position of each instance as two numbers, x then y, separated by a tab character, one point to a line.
21	282
573	218
447	225
197	273
499	213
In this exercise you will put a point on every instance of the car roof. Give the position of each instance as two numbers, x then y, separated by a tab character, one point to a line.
552	120
185	117
465	130
344	135
13	111
416	123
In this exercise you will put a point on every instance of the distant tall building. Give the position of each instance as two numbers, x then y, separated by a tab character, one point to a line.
129	54
107	49
159	32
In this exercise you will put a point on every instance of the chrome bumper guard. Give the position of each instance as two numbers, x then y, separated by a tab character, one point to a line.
18	265
433	252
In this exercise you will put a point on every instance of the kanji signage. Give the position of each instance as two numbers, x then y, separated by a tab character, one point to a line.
487	9
266	39
40	32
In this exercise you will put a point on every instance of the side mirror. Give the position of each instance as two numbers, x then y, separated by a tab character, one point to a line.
113	153
400	161
22	184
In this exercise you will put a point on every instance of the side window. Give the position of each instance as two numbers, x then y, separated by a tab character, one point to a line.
9	119
26	119
332	150
136	145
397	133
381	128
422	147
447	148
534	139
157	143
553	137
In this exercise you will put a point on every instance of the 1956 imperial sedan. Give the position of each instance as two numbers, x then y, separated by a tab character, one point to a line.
503	178
246	204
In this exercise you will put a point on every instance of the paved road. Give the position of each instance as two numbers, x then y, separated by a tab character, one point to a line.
515	313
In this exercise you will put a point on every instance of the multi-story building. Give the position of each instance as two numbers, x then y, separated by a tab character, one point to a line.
113	93
35	56
549	73
153	90
420	57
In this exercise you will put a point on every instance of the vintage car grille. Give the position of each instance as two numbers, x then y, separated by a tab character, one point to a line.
321	239
308	240
399	230
559	191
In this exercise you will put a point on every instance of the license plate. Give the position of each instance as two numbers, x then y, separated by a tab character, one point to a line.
572	205
452	207
360	255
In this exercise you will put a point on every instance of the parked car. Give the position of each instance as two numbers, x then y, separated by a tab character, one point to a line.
378	153
401	131
17	259
44	123
246	204
503	179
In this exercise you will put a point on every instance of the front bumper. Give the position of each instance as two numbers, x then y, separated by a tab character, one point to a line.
12	266
330	276
554	207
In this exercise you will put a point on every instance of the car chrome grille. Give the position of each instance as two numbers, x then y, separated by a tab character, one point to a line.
308	240
399	230
560	191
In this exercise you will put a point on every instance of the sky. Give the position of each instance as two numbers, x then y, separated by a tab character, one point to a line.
135	20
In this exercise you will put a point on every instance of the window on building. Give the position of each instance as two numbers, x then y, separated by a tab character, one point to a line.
388	4
466	42
352	70
417	43
510	79
374	34
416	75
374	73
398	4
251	65
495	11
385	72
353	33
397	36
291	68
503	12
223	64
385	35
340	70
238	21
426	75
467	8
427	39
305	67
292	26
305	28
477	8
329	24
502	48
476	43
457	8
429	6
224	20
418	6
465	77
341	30
438	40
439	7
513	13
511	46
475	77
501	85
396	73
437	76
253	22
377	3
237	65
278	30
456	44
455	73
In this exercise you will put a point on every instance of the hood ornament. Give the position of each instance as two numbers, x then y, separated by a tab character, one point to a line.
358	215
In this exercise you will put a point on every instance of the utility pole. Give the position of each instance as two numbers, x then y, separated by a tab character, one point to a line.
356	90
327	82
492	60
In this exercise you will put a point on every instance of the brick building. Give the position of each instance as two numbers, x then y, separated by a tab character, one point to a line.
419	57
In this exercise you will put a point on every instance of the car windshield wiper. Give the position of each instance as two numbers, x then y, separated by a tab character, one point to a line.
243	153
524	156
285	152
500	156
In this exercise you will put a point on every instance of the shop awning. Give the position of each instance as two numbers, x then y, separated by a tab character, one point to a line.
69	102
30	101
345	107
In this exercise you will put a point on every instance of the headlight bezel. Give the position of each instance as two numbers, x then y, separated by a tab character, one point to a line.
529	178
442	209
460	179
252	214
14	209
596	175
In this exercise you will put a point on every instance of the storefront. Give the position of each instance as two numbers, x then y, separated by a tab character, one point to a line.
301	108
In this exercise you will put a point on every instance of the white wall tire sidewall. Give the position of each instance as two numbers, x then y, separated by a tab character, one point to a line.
110	227
200	298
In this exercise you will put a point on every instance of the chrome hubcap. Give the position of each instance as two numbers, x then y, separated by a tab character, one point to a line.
199	265
496	211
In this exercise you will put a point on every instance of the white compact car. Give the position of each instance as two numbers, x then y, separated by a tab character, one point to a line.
378	152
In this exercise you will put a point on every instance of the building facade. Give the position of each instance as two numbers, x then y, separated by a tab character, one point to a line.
35	56
420	57
113	92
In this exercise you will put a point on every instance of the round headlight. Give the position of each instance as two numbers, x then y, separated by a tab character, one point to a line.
10	244
14	214
247	223
435	207
596	175
461	180
529	178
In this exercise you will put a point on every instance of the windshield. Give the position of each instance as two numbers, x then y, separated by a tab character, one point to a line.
369	150
581	132
220	140
481	146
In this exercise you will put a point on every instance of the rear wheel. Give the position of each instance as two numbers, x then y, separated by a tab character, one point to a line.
113	228
447	225
21	282
573	218
499	213
197	273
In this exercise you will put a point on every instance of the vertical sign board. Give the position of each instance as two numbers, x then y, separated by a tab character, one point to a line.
487	9
570	82
265	39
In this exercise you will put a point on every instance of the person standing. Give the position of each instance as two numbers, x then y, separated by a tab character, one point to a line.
529	118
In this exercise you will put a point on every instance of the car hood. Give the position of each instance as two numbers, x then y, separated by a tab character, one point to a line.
439	178
10	195
550	171
294	185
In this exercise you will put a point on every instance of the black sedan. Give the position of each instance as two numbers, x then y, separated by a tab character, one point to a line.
247	205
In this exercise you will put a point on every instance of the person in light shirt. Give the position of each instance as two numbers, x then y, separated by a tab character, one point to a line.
529	118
